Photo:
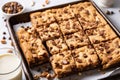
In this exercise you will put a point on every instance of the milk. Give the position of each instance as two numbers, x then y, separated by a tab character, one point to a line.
9	62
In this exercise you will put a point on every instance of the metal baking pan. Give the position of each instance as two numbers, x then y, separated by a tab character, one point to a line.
24	18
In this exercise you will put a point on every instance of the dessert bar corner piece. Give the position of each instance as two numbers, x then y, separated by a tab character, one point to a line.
49	32
85	58
77	39
109	52
88	16
77	8
100	34
62	63
33	49
56	46
70	26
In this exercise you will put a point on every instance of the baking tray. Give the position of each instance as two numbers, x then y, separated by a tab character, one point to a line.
23	19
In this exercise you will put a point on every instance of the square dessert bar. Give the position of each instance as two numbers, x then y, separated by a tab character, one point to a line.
70	26
32	47
85	58
94	21
100	34
63	13
76	8
49	32
77	39
42	18
88	15
56	46
63	63
109	52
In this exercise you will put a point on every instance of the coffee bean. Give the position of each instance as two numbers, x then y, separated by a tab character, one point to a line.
4	33
4	37
9	38
112	12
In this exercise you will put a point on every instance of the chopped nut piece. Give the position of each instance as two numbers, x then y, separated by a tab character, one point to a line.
53	75
36	77
44	74
43	5
79	74
48	76
22	26
32	3
3	41
108	12
47	1
65	62
10	51
12	44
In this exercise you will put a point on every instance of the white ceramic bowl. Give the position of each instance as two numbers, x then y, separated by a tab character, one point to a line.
9	15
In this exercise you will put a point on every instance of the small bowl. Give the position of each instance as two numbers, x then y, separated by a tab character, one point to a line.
11	14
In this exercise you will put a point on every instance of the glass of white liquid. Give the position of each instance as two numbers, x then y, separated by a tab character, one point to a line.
10	64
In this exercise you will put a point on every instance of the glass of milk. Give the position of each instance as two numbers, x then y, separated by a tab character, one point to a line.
107	3
10	64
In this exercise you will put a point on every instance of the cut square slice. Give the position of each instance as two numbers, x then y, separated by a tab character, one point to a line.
100	34
56	46
63	63
77	39
109	52
42	18
63	13
85	58
70	26
88	15
49	32
32	47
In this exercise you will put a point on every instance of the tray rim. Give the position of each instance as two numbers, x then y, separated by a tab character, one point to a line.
26	68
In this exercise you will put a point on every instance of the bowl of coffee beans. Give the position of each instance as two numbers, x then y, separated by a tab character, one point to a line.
12	8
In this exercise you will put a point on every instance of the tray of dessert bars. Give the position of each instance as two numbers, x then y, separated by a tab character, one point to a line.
72	41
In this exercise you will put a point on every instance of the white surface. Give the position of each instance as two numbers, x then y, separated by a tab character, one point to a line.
115	18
